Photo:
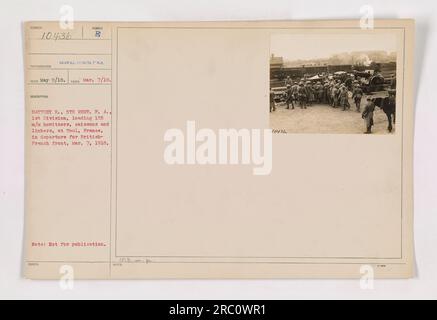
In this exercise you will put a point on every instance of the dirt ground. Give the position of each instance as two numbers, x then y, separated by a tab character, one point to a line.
321	118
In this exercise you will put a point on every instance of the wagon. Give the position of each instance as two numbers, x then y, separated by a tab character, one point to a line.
280	94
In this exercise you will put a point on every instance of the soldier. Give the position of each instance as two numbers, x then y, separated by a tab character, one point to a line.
316	87
289	97
320	93
368	114
272	100
288	81
325	87
328	93
302	94
295	92
343	95
334	96
309	93
357	95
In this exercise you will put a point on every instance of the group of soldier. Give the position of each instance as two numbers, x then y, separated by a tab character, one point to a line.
332	92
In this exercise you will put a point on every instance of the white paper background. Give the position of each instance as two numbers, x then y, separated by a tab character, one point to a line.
12	13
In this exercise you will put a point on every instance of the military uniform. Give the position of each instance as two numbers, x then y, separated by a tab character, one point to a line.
328	90
344	101
288	81
320	93
309	94
302	95
357	95
295	92
334	96
289	97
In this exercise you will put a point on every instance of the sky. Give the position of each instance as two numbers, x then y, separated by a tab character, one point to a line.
313	46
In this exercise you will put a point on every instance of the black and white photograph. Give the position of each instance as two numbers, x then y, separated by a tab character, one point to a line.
328	83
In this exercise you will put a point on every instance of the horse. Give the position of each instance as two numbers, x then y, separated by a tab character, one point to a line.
388	105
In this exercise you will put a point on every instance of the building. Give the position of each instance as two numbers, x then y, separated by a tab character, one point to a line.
276	63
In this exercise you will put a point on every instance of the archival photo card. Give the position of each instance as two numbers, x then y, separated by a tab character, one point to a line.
151	153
